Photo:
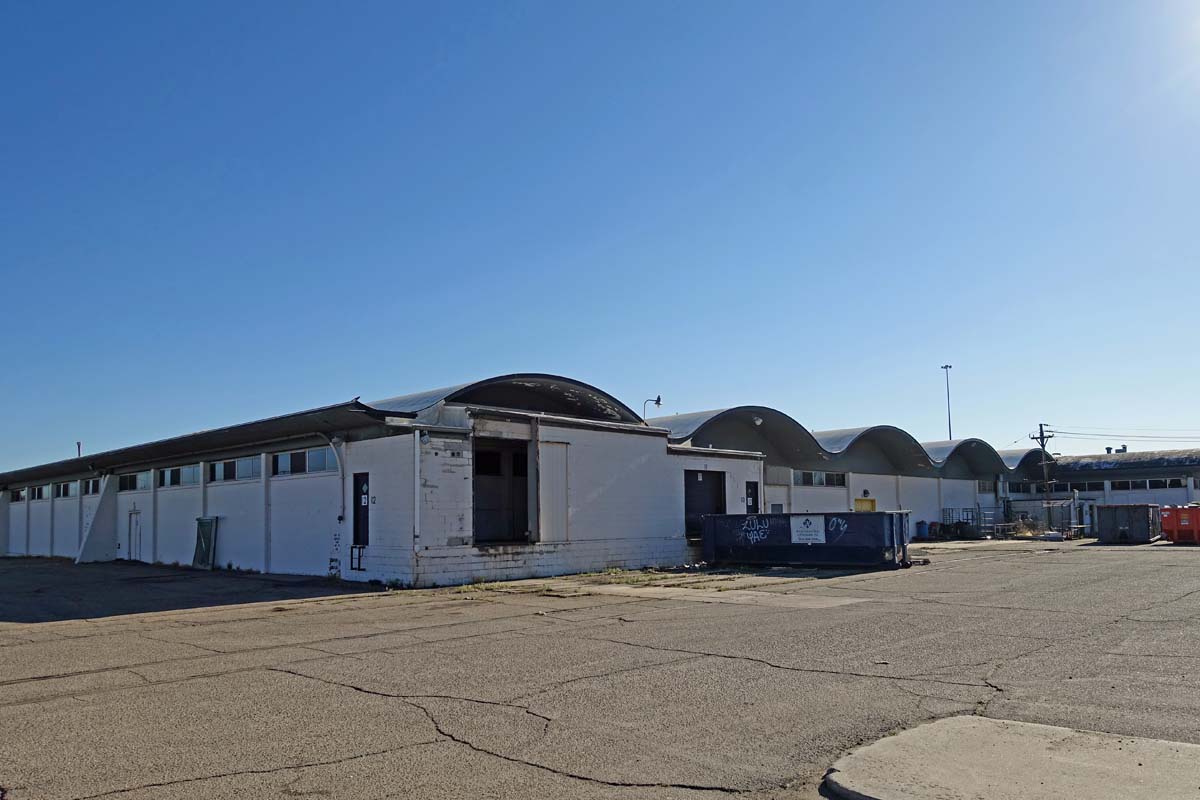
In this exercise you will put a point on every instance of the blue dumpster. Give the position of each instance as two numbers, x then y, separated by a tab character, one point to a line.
870	539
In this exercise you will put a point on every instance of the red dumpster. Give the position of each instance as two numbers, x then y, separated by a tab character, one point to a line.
1181	524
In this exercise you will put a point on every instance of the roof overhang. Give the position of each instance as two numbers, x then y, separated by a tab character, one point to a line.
711	452
329	420
553	420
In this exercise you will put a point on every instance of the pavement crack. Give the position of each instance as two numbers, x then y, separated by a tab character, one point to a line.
137	674
566	773
559	684
208	650
1153	606
992	663
378	693
265	771
773	665
414	702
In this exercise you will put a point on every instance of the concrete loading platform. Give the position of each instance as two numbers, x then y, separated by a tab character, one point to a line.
973	757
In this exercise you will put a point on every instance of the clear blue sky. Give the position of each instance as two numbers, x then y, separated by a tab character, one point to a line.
215	212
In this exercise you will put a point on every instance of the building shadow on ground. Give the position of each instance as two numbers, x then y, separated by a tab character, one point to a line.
56	589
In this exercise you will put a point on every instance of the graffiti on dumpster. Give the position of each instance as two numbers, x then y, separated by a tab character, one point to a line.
754	530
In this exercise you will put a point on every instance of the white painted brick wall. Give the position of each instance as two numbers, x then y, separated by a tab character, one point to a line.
625	507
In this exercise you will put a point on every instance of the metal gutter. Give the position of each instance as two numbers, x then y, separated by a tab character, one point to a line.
551	420
700	452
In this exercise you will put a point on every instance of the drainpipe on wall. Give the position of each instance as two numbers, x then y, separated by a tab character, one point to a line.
153	517
416	436
203	489
341	476
534	478
53	502
79	524
4	501
764	505
265	470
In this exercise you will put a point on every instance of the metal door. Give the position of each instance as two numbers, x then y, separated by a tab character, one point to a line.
362	509
133	537
703	494
751	497
554	491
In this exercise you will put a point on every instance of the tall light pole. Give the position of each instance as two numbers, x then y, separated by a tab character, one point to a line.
949	427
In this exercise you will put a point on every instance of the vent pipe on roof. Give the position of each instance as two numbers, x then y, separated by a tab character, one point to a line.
1123	448
1108	450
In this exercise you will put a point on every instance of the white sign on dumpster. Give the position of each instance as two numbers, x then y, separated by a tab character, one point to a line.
808	529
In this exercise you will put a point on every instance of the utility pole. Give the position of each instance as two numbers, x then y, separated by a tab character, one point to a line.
1041	438
949	427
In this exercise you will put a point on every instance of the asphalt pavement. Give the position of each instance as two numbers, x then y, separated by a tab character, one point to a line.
133	681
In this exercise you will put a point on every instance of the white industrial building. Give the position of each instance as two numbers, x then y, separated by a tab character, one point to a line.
876	468
520	476
515	476
1162	477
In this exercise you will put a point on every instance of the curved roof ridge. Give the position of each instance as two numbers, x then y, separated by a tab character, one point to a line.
683	426
543	389
941	451
1013	458
839	440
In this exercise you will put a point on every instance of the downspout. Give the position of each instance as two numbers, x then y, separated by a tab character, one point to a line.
416	434
341	476
763	505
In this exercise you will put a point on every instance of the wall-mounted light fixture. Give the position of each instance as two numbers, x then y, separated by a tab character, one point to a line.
657	404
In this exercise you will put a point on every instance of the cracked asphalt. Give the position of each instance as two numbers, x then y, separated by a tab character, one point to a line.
131	681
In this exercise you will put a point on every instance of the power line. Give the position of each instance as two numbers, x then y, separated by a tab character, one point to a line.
1135	437
1099	428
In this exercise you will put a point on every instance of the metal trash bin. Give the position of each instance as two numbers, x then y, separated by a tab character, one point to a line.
1133	523
868	539
1181	524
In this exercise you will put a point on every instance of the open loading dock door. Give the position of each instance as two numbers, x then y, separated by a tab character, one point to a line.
703	494
500	491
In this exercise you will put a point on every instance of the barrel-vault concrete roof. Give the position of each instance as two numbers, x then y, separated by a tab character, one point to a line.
530	391
550	394
897	443
1025	457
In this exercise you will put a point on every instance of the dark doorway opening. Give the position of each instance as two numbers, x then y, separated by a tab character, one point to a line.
703	493
500	491
362	508
751	497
